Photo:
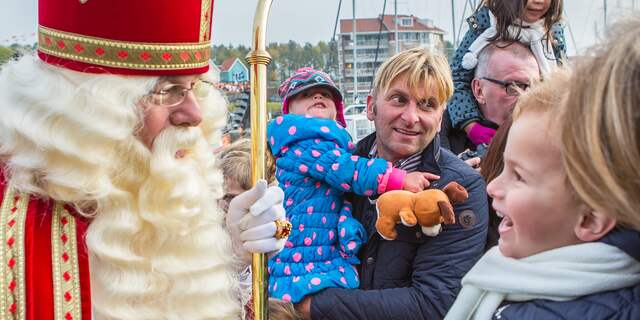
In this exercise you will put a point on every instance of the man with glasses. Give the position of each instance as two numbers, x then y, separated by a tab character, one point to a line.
503	72
108	182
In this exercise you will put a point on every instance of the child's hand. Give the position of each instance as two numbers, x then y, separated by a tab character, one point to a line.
479	134
418	181
351	234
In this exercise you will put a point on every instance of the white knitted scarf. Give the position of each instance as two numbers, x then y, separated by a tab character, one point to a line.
561	274
531	34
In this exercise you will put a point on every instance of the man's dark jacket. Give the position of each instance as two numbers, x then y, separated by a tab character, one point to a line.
414	276
456	140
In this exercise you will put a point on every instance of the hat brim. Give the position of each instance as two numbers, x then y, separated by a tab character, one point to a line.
336	93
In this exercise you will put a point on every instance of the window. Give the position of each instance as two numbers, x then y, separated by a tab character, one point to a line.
354	109
406	22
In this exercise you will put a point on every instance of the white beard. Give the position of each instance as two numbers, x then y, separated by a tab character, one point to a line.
157	246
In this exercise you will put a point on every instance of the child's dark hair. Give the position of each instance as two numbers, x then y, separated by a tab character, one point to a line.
507	12
492	166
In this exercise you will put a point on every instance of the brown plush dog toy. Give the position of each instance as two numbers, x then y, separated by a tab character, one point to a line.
429	208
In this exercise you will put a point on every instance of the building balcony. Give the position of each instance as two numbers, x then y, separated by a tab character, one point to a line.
362	72
362	86
348	58
366	44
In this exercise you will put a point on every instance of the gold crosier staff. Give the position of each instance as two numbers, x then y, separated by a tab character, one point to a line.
258	60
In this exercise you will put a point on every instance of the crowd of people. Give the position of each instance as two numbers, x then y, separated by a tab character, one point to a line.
232	87
116	205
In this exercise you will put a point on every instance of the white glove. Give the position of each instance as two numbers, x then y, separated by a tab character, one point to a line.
251	220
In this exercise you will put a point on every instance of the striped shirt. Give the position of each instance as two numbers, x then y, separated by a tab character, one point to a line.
409	164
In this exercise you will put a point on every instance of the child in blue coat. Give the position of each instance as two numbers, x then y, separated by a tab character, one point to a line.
315	167
534	23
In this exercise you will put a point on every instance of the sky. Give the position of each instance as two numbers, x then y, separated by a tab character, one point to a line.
313	20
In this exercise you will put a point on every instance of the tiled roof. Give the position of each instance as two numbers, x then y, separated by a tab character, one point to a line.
227	64
362	25
373	25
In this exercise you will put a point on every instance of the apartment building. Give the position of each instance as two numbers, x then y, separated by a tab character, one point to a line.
411	32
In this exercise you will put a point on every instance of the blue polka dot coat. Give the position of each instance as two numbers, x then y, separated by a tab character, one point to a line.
315	167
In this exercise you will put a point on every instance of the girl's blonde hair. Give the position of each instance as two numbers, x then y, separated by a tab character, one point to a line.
600	132
235	162
545	99
282	310
545	96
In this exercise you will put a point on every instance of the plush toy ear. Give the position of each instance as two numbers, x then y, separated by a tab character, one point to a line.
456	192
446	211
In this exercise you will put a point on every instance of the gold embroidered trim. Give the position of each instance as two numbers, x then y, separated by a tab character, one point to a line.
205	20
121	54
12	219
66	274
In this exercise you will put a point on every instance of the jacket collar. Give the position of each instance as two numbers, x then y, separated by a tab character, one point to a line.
430	154
431	157
627	240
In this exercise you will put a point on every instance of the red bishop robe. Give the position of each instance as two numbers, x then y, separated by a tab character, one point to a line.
44	263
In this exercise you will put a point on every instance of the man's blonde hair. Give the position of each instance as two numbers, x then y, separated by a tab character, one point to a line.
600	132
424	69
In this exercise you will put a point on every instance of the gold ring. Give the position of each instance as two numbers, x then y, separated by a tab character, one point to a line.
283	228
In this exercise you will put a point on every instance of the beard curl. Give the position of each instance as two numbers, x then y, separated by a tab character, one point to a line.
171	197
160	251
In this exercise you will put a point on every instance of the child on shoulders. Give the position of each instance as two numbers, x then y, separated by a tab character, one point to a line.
569	242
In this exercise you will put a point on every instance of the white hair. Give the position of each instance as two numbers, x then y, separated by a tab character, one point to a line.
157	246
515	49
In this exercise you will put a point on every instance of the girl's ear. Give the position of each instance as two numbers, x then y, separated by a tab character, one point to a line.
594	225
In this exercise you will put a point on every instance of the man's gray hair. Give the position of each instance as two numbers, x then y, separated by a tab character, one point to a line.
516	49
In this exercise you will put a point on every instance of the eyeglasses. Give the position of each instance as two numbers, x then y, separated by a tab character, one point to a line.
512	88
175	94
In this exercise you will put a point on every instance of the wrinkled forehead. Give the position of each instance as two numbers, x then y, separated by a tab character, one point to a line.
503	63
